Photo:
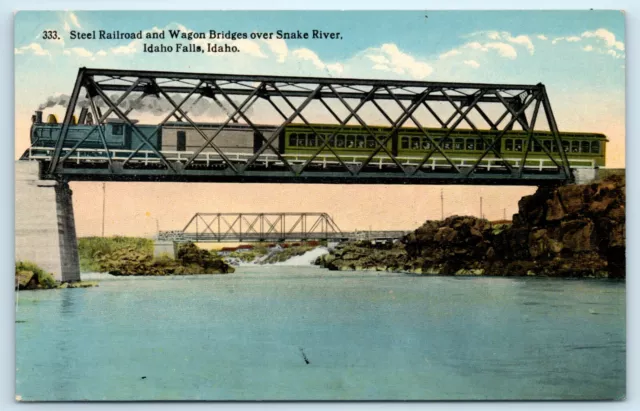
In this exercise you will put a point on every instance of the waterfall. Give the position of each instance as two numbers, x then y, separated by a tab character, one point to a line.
307	258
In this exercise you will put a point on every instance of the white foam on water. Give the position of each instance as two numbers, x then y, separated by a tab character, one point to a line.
307	258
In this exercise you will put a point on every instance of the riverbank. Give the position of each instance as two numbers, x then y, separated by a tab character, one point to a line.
569	231
29	276
130	256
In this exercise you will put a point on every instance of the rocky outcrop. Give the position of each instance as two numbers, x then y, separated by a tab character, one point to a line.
569	231
189	260
29	276
366	256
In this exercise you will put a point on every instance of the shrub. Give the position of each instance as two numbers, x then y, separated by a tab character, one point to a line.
43	278
91	248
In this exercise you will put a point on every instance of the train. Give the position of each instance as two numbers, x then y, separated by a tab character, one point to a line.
582	149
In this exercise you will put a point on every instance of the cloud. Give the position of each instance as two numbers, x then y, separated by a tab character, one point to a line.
378	59
279	48
67	27
472	63
306	54
74	20
249	47
542	37
335	67
128	49
522	39
608	37
101	53
80	51
503	49
33	48
601	36
389	58
450	53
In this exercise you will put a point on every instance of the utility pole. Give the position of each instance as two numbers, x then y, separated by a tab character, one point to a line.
104	204
481	207
504	213
441	204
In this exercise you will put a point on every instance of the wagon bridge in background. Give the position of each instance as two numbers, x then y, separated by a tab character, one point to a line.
268	227
267	105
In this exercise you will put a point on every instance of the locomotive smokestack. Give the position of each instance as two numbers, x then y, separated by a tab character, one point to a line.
83	115
38	117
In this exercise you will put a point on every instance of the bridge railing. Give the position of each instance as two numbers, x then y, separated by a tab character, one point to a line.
147	157
278	237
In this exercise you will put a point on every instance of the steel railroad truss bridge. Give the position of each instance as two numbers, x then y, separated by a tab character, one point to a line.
255	100
268	227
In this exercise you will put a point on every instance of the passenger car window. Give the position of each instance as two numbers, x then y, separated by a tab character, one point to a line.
117	129
471	144
517	145
371	142
584	147
508	145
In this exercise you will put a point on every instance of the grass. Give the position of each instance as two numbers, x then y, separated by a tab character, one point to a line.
90	247
45	279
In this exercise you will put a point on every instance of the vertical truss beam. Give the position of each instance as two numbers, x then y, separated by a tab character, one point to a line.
240	93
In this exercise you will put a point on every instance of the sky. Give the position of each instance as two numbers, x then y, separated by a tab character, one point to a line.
578	55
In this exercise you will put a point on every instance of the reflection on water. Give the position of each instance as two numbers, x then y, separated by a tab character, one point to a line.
364	335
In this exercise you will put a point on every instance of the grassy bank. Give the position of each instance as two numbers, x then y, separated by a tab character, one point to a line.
134	256
29	276
92	248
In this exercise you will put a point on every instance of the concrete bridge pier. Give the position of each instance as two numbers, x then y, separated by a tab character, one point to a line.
164	248
44	224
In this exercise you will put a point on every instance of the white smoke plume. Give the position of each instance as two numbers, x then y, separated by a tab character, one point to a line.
149	104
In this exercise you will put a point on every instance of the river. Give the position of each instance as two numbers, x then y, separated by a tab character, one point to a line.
365	336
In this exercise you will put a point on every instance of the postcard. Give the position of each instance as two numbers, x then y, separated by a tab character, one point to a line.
320	205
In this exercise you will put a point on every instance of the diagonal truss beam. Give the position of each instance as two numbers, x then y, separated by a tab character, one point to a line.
240	93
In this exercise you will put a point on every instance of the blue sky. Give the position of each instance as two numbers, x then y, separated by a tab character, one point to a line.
578	55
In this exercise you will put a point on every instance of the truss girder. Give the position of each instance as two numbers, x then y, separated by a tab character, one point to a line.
234	227
414	104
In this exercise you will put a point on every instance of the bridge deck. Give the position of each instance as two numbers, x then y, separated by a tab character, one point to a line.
280	237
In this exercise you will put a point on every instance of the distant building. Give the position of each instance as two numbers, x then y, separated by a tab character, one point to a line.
226	250
244	248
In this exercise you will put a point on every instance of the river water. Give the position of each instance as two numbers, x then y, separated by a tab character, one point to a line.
366	336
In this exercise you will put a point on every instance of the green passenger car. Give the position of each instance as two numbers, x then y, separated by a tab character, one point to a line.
410	145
